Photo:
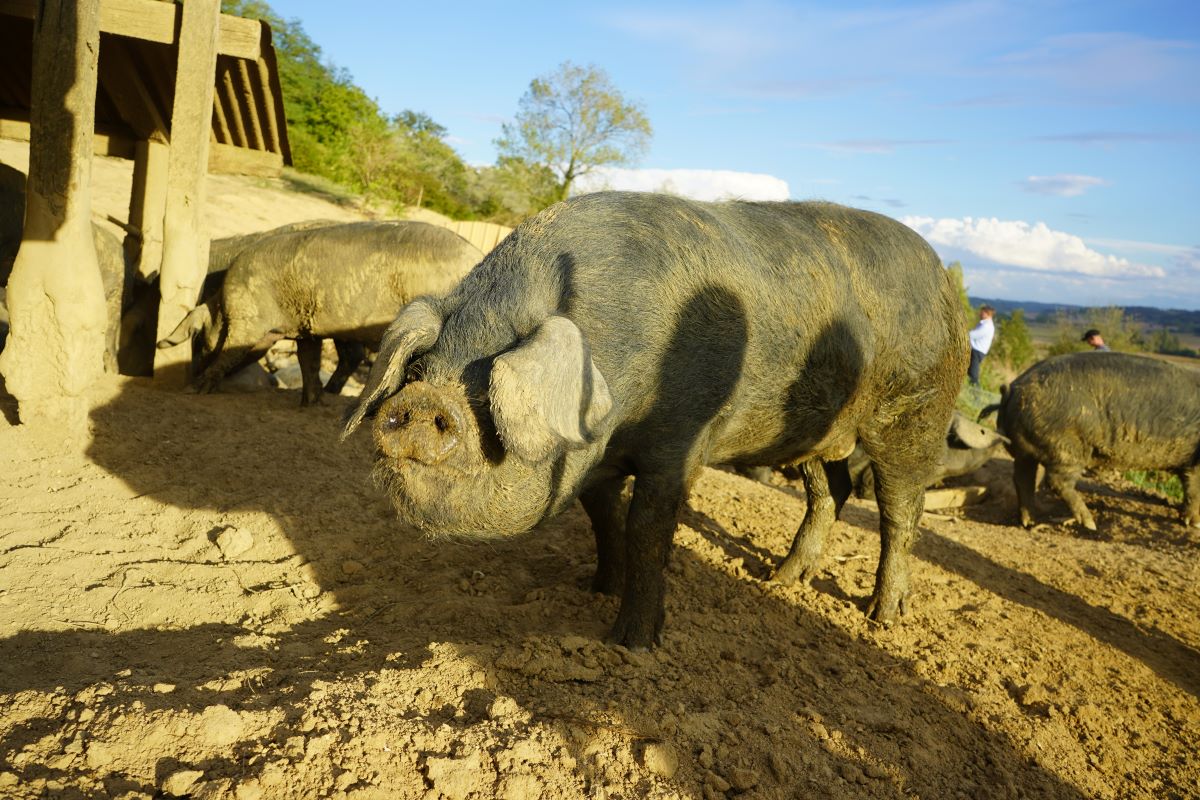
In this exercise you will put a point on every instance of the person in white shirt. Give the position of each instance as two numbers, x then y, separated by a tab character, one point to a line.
981	341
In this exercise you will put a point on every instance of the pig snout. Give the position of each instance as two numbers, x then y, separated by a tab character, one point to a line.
419	424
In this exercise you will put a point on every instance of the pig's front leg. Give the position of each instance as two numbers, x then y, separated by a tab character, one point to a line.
649	529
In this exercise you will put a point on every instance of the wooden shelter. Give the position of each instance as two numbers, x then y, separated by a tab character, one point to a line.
136	87
178	87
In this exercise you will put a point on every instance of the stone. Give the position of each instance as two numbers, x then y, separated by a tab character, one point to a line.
180	783
232	542
661	759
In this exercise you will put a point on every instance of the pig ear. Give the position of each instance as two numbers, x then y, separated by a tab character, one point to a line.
547	392
189	326
414	331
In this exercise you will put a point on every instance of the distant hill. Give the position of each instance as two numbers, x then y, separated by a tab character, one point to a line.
1171	318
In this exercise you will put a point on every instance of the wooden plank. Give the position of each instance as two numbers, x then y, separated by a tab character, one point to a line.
148	202
231	160
155	21
251	106
230	96
103	144
268	105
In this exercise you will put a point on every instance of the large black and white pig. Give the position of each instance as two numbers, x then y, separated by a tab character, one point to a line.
622	334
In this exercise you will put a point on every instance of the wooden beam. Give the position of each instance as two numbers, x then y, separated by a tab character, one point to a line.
155	21
268	104
257	142
230	94
148	203
185	240
231	160
103	143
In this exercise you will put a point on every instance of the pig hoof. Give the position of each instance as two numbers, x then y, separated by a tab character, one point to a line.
634	636
606	585
789	572
886	612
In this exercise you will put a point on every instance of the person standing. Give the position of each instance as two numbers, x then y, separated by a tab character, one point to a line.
1094	338
981	341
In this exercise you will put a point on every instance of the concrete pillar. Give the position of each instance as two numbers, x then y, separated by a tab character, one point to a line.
55	296
185	238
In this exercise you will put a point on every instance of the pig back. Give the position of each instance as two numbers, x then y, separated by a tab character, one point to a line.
1105	409
770	320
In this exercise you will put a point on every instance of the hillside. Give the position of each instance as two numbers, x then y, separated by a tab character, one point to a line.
207	598
1178	320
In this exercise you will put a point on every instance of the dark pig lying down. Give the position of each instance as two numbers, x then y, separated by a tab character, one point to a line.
622	334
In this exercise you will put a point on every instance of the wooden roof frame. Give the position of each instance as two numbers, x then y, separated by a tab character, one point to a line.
139	39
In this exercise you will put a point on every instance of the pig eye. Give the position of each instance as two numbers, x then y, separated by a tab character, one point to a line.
440	422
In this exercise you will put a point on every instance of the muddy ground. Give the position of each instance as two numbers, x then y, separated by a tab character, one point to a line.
206	598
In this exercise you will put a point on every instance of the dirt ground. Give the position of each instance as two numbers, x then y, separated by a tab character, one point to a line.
207	598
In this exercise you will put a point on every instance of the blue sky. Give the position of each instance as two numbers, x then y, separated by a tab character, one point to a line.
1053	147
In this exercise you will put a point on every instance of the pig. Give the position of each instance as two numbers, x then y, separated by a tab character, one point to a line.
621	334
343	281
969	446
1101	409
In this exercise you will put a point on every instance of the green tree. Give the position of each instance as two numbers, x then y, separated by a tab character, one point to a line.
572	121
1120	332
955	269
1013	345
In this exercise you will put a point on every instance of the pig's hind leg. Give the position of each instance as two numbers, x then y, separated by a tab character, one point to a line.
241	349
350	355
1062	479
823	506
308	353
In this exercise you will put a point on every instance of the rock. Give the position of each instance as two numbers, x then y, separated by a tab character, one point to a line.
661	759
521	787
163	688
99	755
351	567
220	725
455	778
180	783
954	498
716	782
232	542
251	379
742	780
289	377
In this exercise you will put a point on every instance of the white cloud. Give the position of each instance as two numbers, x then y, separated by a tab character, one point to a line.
698	184
1035	247
1061	185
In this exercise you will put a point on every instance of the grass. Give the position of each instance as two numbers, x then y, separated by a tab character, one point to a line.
1164	483
972	399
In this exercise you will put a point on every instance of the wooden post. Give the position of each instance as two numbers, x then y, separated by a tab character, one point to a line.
185	238
55	295
148	202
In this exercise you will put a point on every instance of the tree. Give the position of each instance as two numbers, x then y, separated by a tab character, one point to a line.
572	121
956	277
1120	332
1013	345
